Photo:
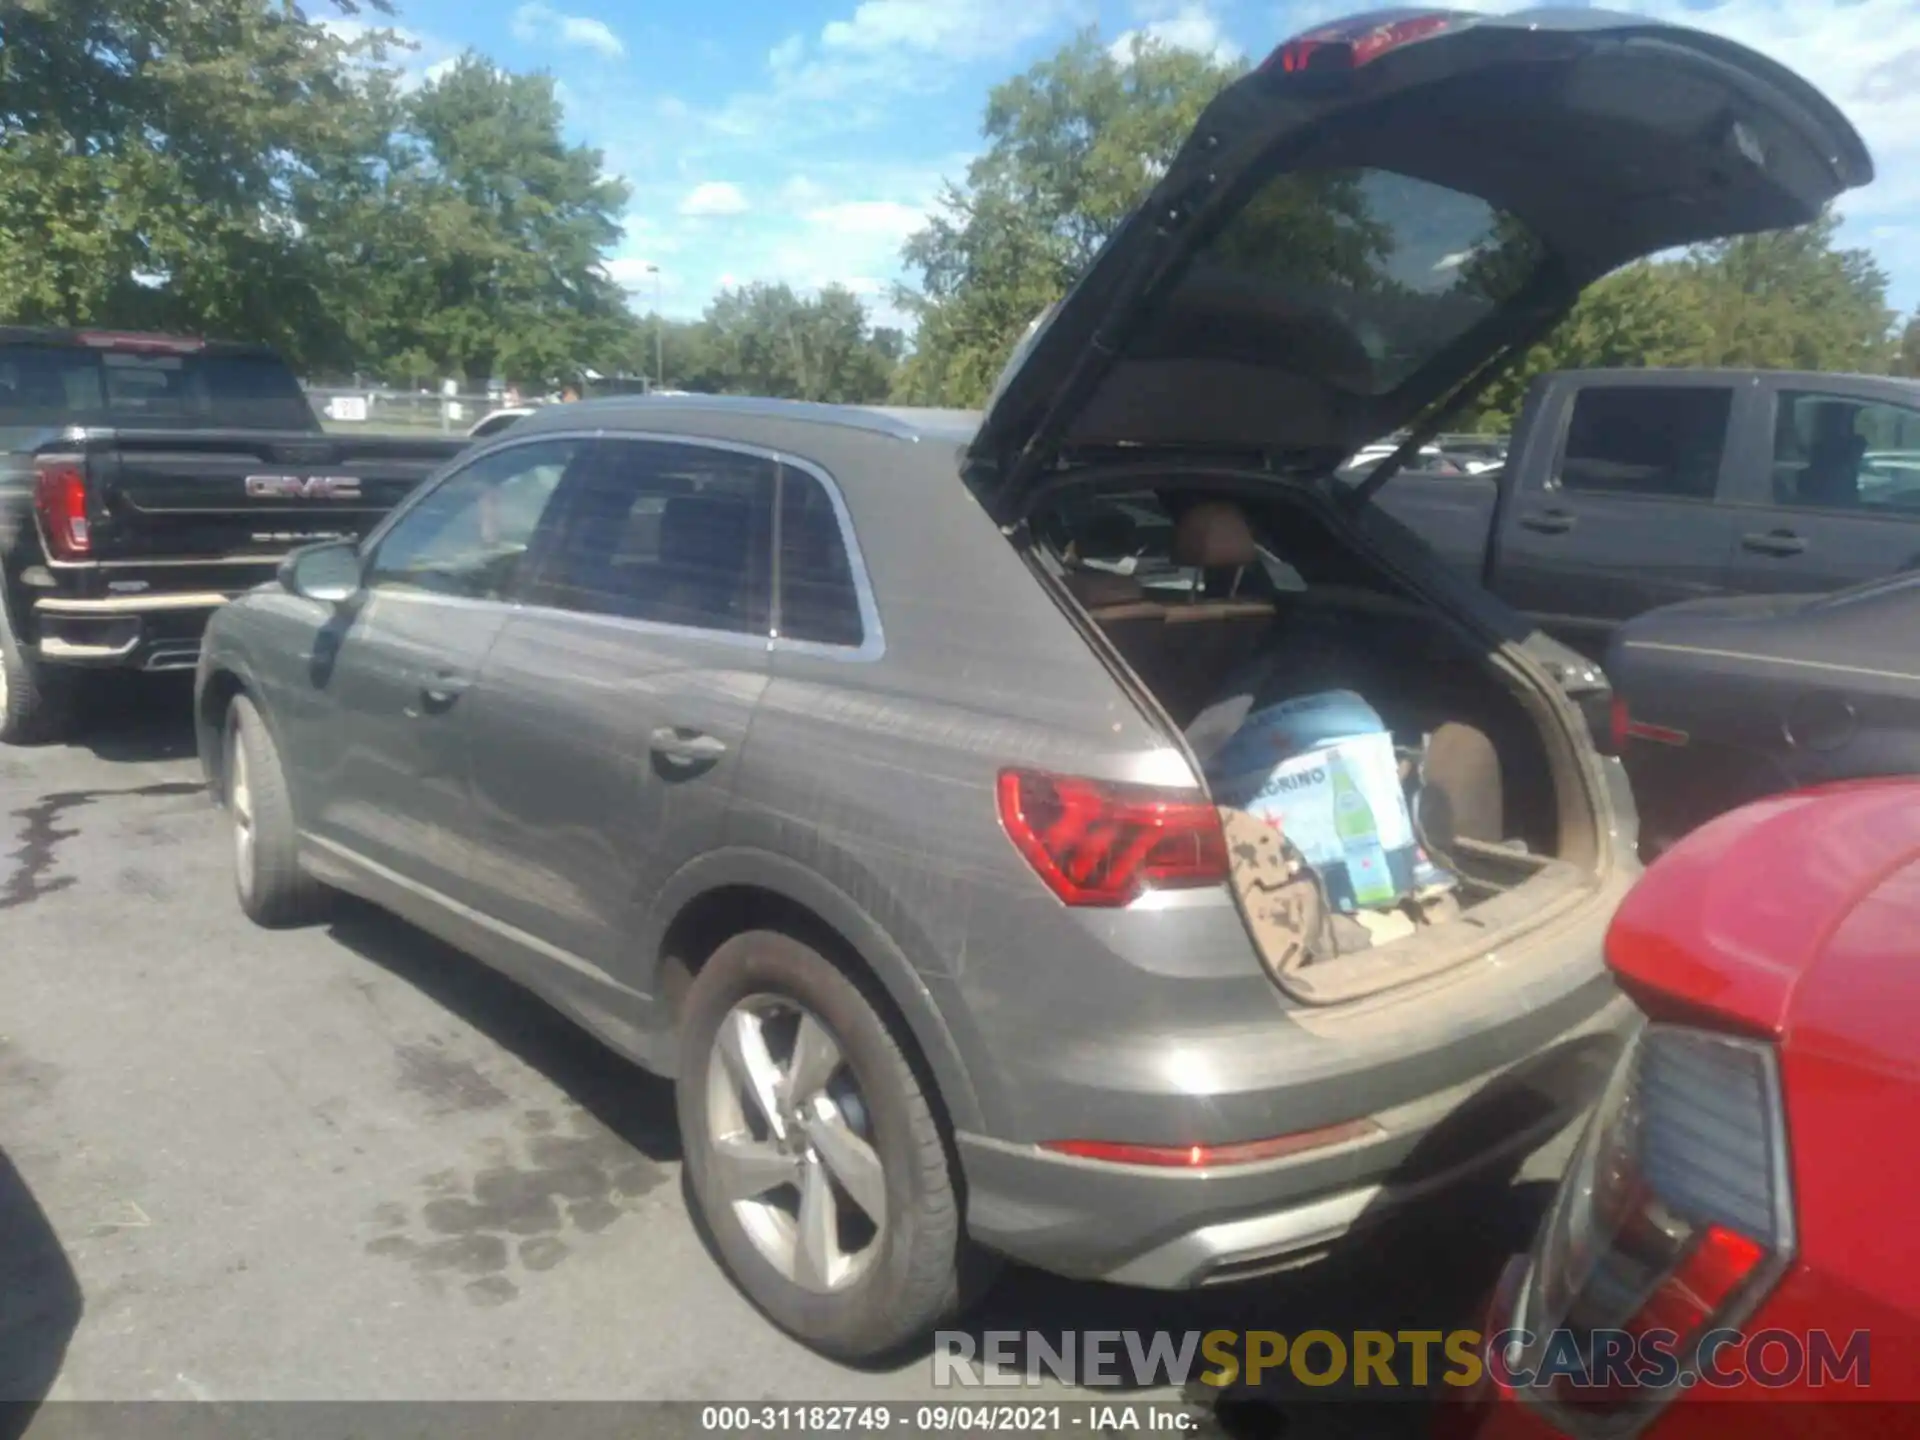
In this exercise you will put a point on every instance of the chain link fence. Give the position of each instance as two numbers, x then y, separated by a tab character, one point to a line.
412	412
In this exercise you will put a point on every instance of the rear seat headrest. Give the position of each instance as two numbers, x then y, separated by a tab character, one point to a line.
1214	533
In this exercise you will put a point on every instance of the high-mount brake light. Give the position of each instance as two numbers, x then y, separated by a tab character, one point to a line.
1348	44
60	500
139	344
1098	843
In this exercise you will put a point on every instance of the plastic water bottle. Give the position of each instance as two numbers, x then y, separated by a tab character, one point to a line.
1359	833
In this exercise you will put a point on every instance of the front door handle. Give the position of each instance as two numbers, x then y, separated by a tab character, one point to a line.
686	747
1774	542
1549	522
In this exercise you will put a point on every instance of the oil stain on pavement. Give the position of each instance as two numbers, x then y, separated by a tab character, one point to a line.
522	1210
40	834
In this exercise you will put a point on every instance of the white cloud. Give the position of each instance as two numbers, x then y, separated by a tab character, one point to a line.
953	29
714	197
800	191
787	53
888	220
634	272
536	22
1192	26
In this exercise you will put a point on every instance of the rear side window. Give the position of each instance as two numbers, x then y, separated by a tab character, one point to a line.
819	600
1843	452
1659	441
76	385
677	534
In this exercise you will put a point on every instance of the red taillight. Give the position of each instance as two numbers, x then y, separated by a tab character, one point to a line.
137	343
1099	843
1625	728
1349	44
1204	1157
1675	1217
60	498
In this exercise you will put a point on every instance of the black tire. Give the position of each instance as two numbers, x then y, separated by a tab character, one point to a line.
36	699
274	888
924	1270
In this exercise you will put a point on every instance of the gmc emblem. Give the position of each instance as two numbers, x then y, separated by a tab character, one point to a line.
303	487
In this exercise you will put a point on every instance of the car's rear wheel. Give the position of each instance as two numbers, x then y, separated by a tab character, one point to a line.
36	699
813	1153
273	886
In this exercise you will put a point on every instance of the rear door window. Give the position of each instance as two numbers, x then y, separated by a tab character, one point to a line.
1844	452
672	533
1659	442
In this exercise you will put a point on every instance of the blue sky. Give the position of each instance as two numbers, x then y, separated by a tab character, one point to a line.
803	140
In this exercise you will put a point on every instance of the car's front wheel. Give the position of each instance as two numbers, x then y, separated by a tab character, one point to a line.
273	886
813	1153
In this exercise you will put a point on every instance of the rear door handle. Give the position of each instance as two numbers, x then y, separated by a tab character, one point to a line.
439	693
1549	522
686	747
1774	542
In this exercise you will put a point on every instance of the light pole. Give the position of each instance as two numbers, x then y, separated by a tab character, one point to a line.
659	324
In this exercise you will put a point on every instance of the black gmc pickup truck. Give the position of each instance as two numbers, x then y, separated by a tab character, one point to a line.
1629	489
144	481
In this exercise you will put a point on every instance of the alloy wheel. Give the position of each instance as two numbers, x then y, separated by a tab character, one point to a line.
792	1145
240	803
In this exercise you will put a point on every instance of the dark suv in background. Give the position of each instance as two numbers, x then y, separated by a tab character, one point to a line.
841	765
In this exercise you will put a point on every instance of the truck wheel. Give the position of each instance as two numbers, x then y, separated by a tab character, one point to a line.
813	1155
36	699
274	889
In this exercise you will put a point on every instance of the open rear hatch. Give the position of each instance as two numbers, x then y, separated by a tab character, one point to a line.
1353	238
1357	228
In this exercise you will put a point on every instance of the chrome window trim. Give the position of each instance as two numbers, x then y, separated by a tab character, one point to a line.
873	644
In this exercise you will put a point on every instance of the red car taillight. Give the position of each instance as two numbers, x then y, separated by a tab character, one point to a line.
1624	728
1348	44
1675	1216
60	498
1098	843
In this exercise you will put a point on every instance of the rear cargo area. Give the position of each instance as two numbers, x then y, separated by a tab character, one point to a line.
1260	633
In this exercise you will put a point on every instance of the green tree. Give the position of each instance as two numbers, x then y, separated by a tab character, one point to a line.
1792	299
1789	299
480	232
1907	353
1073	144
149	150
764	339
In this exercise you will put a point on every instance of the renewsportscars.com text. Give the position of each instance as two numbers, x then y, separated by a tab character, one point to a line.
1382	1359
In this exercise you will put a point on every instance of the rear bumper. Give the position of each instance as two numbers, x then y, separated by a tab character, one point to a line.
1178	1229
124	632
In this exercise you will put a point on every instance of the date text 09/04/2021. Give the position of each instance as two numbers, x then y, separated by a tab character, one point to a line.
940	1418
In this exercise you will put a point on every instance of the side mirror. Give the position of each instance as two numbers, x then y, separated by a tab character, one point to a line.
328	572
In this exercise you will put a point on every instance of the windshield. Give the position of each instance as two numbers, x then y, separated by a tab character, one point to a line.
1369	274
56	385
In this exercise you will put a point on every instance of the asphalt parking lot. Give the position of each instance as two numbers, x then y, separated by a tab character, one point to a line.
348	1163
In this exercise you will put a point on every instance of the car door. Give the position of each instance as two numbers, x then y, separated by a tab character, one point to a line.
613	707
1629	516
1833	497
390	771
